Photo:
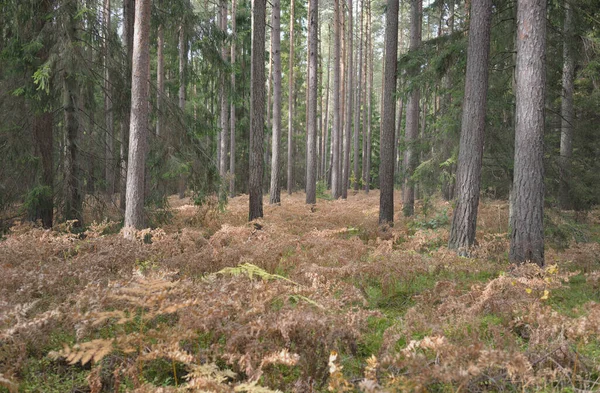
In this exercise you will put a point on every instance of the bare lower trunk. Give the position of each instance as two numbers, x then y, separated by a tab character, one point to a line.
412	115
182	56
257	111
336	175
134	213
311	144
275	194
290	147
128	21
232	109
464	221
527	240
349	107
566	109
387	148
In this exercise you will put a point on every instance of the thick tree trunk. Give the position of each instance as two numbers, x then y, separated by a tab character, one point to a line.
464	221
257	109
325	118
566	109
311	131
134	212
128	21
275	194
369	104
367	99
232	109
72	181
412	115
290	145
336	175
527	240
387	148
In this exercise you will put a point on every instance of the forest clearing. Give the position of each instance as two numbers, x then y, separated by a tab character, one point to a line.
210	302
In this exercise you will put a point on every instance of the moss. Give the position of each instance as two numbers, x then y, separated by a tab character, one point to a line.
47	376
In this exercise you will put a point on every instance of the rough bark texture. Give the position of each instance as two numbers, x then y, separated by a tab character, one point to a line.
108	110
527	240
367	99
325	117
134	212
386	164
464	221
369	106
44	135
290	144
412	116
311	129
336	175
232	109
566	109
128	20
257	109
275	195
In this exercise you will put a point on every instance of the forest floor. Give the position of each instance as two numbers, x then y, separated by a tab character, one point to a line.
308	299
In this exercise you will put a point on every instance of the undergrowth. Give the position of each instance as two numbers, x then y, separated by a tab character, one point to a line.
308	299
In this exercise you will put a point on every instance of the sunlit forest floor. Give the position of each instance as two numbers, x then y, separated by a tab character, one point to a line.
308	299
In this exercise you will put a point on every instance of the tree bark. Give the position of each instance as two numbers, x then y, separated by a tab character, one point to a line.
257	109
527	239
566	109
464	221
369	104
349	96
290	146
182	58
128	21
412	115
108	110
357	108
134	211
160	78
311	144
336	175
232	109
275	194
386	164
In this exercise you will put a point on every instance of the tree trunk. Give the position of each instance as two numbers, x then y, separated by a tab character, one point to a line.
224	102
464	221
412	115
311	131
348	108
160	79
387	148
232	109
369	103
290	147
357	108
566	109
257	109
128	21
275	196
182	57
134	212
336	175
108	110
44	136
527	240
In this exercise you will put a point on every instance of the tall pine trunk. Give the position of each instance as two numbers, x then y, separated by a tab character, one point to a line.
128	21
566	110
182	57
134	211
527	239
275	194
387	148
336	175
108	110
290	144
311	131
257	109
412	115
233	101
470	156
